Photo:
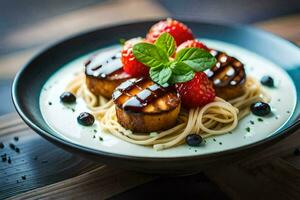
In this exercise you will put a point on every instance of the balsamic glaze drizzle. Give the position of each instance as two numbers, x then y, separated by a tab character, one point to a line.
233	69
98	67
143	98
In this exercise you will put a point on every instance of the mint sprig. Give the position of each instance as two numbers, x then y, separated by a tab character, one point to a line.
161	75
198	59
167	71
167	43
181	72
150	55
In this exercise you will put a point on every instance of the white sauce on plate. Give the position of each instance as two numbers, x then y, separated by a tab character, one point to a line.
63	119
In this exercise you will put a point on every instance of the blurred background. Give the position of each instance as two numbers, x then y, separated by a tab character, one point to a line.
28	26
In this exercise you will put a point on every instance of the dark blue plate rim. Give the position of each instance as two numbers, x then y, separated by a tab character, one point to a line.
56	139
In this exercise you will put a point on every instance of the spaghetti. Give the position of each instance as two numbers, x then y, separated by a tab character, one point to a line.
216	118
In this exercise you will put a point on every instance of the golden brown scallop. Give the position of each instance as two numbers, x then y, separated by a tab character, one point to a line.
143	106
104	75
228	76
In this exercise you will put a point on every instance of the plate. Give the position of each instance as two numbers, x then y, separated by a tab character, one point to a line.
38	85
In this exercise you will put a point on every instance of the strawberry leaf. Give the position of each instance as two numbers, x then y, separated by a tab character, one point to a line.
198	59
167	43
149	54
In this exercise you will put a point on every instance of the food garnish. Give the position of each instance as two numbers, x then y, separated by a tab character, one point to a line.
267	81
192	43
86	119
67	97
197	92
130	63
260	108
166	70
194	140
178	30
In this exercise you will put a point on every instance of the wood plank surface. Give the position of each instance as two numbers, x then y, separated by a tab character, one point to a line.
273	173
47	171
268	174
100	183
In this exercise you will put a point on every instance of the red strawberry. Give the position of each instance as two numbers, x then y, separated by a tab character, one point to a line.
197	92
192	43
130	64
178	30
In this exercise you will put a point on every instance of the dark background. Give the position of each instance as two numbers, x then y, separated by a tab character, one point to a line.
16	15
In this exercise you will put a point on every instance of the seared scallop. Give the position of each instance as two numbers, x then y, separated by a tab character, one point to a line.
228	76
144	106
104	75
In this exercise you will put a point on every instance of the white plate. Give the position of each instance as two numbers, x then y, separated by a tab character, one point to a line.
63	121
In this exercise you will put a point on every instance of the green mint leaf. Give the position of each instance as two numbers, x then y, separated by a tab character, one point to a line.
177	78
180	68
164	75
154	73
197	59
160	75
150	55
181	72
167	43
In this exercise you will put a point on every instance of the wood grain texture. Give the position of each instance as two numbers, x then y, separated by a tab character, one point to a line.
272	173
100	183
37	163
275	180
54	172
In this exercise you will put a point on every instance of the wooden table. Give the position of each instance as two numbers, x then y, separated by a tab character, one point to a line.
273	173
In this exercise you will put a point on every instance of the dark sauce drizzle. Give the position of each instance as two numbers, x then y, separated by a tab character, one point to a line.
98	67
235	72
145	96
